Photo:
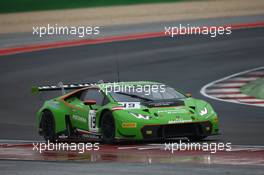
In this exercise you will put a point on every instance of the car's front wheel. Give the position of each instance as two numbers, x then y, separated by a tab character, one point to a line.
48	126
108	128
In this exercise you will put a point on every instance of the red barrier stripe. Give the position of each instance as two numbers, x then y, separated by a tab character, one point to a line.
237	98
228	87
60	44
254	102
224	93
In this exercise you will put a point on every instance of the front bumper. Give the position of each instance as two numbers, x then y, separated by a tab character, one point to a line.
150	132
164	131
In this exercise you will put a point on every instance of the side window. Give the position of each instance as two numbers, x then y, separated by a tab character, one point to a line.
93	94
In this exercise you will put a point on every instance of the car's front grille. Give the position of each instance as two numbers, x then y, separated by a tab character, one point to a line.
180	130
176	130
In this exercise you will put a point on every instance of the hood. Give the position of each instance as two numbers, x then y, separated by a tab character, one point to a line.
188	107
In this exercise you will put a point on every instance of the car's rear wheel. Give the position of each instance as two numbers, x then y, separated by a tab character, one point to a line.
48	126
108	128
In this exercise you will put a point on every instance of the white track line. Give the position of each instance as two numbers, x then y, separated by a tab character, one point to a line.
148	148
244	79
231	77
251	100
223	90
256	73
230	95
128	147
261	105
227	84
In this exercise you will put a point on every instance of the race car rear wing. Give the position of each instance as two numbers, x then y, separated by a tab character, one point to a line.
60	86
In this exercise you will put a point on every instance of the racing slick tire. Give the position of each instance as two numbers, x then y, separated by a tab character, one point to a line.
48	126
108	128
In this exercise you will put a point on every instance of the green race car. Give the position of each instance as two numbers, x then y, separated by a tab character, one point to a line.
111	112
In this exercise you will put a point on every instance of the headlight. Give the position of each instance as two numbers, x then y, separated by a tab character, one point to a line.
204	111
139	116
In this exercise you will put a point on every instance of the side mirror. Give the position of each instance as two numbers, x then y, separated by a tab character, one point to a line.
90	102
188	94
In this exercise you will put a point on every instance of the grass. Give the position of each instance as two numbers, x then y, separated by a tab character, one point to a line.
11	6
254	88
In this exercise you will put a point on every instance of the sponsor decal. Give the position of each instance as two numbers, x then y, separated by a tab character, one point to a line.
129	125
130	105
179	120
203	112
91	136
79	118
173	111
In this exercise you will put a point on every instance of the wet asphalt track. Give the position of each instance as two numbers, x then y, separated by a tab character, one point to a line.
184	62
69	168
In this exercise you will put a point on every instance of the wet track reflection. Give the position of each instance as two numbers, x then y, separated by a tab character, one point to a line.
140	153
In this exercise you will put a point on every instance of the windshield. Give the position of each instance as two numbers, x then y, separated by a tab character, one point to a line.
147	94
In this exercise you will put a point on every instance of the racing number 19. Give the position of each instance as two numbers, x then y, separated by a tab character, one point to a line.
92	121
